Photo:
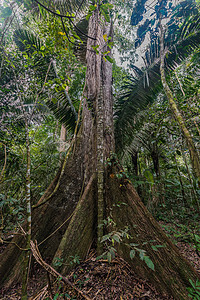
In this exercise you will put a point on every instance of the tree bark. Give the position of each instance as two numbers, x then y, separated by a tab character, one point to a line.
28	212
62	141
172	271
193	192
50	220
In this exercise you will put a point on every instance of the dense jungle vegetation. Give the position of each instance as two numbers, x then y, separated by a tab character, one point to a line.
99	149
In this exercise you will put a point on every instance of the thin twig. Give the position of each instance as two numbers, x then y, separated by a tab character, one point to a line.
49	285
54	13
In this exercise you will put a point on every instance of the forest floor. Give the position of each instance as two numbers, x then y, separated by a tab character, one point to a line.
98	279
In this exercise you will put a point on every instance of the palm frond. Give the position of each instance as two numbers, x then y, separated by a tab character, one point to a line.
59	105
140	92
70	6
143	89
62	8
178	44
141	139
26	40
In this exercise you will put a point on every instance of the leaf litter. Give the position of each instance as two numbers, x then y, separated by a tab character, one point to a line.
97	279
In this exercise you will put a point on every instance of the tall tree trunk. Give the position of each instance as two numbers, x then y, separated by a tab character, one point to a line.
62	139
134	158
195	159
193	192
97	123
28	212
181	181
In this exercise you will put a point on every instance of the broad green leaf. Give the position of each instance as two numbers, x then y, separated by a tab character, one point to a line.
154	248
105	238
109	257
141	254
132	254
149	262
116	238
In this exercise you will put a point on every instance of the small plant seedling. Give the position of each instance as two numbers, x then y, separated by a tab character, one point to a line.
75	259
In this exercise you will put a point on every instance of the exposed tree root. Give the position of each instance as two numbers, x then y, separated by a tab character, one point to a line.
172	270
47	219
79	235
123	205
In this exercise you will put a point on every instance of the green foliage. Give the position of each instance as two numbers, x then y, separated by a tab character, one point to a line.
149	176
44	164
117	237
194	290
30	85
142	254
90	11
75	260
105	10
145	86
58	262
12	212
54	90
108	58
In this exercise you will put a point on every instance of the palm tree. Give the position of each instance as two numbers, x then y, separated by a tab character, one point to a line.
152	79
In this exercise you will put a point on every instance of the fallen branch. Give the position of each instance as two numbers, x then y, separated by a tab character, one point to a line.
51	270
41	295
